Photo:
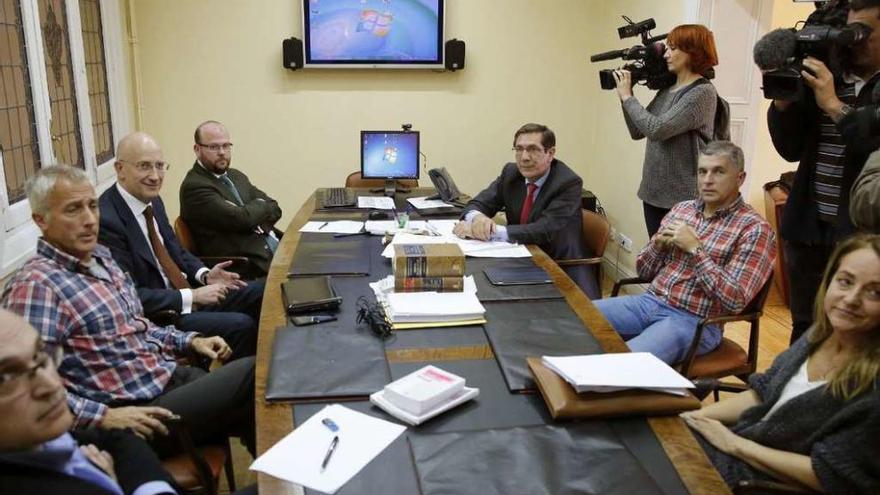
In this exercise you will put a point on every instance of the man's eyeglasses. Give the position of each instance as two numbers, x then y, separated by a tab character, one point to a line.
12	382
227	147
531	149
147	167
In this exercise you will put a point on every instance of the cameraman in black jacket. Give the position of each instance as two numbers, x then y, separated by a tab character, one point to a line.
816	214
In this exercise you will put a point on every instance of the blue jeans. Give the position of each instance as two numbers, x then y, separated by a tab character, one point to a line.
648	324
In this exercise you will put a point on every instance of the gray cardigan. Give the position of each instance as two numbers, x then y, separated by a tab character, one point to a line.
669	173
841	438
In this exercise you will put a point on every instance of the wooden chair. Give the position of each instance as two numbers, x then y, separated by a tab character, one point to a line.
240	264
596	232
197	469
354	180
728	358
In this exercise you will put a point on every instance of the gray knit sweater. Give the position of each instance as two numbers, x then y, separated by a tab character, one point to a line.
669	174
841	438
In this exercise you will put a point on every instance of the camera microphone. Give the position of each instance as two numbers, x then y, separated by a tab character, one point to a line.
774	48
613	54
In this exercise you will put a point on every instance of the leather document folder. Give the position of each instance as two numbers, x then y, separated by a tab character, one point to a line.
306	294
564	403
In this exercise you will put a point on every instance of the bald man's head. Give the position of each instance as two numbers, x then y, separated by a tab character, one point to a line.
140	166
33	402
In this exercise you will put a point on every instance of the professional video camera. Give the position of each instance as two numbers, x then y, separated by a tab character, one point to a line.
648	64
825	35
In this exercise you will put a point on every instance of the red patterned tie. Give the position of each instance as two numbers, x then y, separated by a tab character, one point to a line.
527	204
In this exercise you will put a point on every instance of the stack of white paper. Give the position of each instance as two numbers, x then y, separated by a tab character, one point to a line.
423	394
376	202
424	203
429	307
470	247
298	456
613	372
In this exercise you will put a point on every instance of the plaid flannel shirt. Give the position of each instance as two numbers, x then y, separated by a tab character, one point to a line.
111	352
739	249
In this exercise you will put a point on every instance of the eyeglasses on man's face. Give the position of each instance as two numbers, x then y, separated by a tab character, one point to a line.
147	167
215	148
530	149
13	383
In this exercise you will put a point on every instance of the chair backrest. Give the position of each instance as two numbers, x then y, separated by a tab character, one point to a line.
184	235
596	231
354	179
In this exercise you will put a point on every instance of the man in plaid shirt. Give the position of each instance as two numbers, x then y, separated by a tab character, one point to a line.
118	367
710	257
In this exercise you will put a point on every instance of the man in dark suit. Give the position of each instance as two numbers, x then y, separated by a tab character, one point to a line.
541	197
225	212
37	454
135	227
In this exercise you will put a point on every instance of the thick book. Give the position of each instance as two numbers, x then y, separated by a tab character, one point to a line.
428	260
428	284
304	294
564	402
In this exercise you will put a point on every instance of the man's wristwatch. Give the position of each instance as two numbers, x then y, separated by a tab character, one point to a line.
697	249
845	110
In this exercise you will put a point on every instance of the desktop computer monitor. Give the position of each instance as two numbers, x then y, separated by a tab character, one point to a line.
390	155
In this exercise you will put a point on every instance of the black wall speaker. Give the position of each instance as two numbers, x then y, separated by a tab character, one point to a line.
292	53
454	55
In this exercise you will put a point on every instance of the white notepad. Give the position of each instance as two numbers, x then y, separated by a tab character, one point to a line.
298	456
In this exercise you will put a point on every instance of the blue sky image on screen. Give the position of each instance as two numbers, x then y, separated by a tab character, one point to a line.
390	154
378	30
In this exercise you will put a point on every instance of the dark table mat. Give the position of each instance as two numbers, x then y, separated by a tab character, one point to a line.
391	472
323	254
394	470
584	458
325	361
539	328
487	292
437	337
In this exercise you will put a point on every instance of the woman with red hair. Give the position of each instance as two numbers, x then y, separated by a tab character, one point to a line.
677	123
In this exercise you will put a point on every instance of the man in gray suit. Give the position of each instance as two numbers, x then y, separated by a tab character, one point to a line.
541	197
228	216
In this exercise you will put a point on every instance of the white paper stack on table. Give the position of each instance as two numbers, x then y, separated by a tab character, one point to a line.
376	202
621	371
423	394
423	203
408	310
470	247
298	457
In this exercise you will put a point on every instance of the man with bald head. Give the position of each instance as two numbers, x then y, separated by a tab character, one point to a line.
134	225
225	212
120	369
37	454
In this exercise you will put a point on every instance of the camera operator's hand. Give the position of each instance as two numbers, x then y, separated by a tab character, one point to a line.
822	83
624	87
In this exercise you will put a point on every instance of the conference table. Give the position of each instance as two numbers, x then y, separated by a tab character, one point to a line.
275	419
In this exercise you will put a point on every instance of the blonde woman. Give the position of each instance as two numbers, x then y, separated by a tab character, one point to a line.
813	419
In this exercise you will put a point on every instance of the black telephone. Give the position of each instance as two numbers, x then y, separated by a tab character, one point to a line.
446	188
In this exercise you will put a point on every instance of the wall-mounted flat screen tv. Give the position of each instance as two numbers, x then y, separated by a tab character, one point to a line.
373	33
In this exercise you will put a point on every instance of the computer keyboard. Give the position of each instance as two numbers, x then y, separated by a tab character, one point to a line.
335	197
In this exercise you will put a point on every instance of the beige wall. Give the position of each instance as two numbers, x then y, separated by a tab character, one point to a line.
294	131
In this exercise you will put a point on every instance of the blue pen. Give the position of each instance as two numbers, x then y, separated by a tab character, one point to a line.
323	225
